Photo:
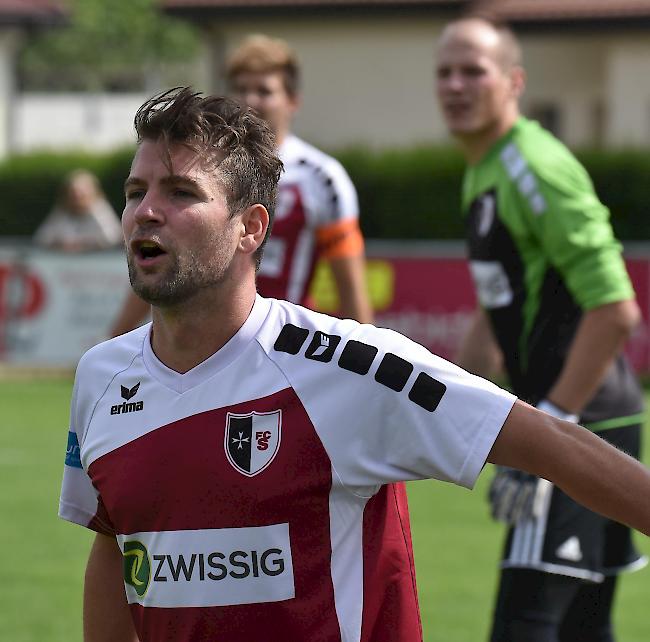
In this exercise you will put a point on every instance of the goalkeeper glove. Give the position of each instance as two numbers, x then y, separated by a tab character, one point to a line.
515	495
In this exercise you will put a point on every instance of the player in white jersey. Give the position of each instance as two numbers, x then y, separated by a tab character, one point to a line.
241	458
317	213
316	216
317	210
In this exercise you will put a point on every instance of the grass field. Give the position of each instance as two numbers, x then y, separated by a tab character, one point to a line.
43	558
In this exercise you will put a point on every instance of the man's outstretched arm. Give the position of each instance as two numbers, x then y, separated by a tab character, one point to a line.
106	612
584	466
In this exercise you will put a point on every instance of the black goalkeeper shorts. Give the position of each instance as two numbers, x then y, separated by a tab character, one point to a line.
571	540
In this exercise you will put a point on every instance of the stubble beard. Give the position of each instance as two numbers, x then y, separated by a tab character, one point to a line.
182	281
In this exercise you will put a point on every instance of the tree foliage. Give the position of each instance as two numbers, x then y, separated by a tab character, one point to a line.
107	45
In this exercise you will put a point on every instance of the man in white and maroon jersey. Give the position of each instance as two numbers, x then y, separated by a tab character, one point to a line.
238	456
317	211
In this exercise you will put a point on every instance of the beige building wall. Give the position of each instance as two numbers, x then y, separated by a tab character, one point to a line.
599	85
9	40
567	73
367	81
628	92
370	81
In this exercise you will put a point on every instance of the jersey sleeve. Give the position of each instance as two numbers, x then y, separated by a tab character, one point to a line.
573	227
335	201
333	195
340	240
79	501
388	410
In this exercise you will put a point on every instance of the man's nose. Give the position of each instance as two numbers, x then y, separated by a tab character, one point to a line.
252	99
149	210
454	81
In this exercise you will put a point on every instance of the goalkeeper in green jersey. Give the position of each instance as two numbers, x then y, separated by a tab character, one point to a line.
556	306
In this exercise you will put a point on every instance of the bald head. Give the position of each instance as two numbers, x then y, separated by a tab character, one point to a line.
497	41
479	80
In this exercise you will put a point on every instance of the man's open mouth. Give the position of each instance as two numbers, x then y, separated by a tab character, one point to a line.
148	249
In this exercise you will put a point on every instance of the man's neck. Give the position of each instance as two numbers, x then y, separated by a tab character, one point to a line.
280	136
186	335
476	146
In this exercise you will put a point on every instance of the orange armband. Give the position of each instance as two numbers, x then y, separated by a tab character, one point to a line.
340	240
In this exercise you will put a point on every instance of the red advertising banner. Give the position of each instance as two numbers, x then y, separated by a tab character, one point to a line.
53	307
430	298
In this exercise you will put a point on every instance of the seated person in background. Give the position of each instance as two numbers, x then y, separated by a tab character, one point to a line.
82	218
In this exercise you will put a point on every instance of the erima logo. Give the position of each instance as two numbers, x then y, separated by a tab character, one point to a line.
323	344
128	406
570	550
322	347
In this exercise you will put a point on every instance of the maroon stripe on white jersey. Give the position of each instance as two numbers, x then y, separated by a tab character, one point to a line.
388	562
179	477
288	264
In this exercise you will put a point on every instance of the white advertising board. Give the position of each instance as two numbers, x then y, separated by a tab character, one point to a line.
55	306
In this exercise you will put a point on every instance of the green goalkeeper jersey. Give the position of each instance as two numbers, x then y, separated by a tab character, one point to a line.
541	251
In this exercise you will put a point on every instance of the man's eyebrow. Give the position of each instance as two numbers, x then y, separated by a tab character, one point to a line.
171	179
184	181
129	182
175	179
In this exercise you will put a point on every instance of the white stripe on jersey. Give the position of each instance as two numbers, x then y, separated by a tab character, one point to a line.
300	267
346	531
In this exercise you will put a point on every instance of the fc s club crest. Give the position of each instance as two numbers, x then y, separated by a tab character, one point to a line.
252	440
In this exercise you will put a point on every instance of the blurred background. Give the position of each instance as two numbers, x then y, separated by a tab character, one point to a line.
72	75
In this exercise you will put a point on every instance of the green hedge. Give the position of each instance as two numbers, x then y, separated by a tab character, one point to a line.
406	194
415	194
29	184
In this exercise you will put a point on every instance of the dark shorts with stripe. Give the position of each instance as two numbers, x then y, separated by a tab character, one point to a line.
571	540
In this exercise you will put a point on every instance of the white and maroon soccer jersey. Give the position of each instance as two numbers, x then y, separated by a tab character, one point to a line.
255	496
316	207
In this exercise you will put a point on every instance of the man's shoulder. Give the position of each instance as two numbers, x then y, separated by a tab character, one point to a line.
538	148
104	360
324	182
292	331
287	323
295	152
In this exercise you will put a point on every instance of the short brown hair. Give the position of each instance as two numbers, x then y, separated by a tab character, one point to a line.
261	54
228	137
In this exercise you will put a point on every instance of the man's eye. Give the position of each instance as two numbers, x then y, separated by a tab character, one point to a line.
134	194
183	193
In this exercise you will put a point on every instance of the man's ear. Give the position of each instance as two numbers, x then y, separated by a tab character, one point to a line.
255	222
518	80
296	103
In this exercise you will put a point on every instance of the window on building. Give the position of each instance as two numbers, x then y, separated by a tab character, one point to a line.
548	115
